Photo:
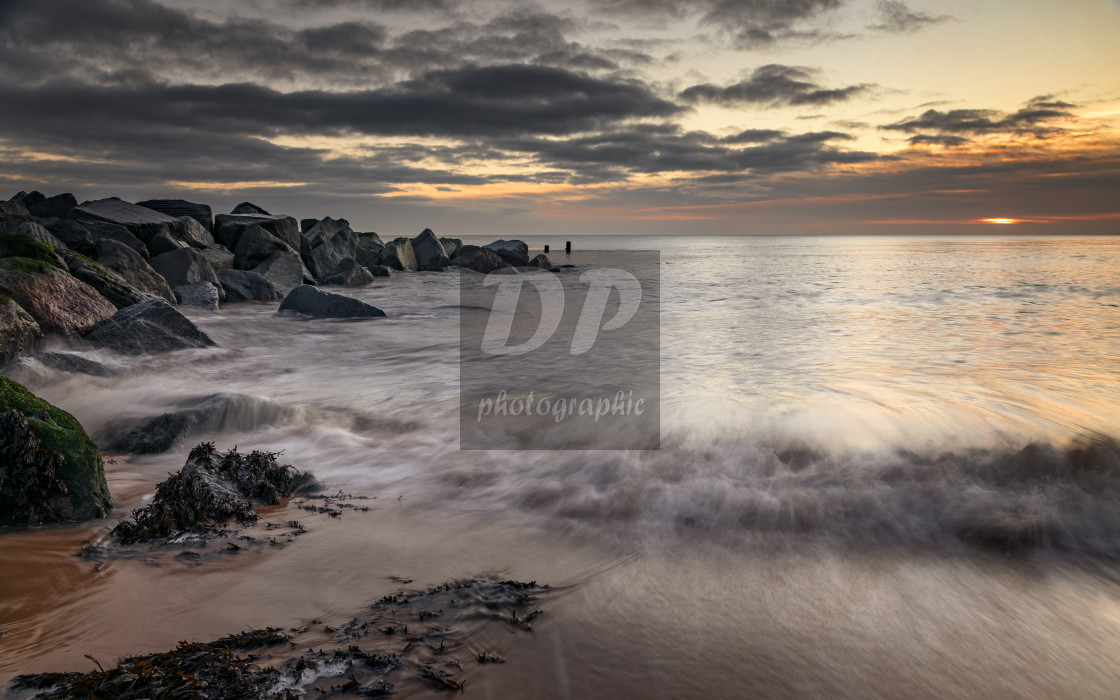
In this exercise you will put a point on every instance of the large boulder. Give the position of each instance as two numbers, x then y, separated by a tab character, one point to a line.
73	363
73	234
164	242
541	261
132	267
13	208
200	295
150	327
452	246
482	260
380	271
103	230
179	208
515	253
398	254
229	227
185	266
306	225
369	250
220	257
50	470
328	244
140	221
35	232
308	300
107	282
245	285
46	207
348	274
284	270
19	332
248	208
254	245
192	233
58	302
430	253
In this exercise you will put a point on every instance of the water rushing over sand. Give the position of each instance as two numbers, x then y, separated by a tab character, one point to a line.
844	419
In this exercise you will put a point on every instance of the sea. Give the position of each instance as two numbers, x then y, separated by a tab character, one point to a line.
887	469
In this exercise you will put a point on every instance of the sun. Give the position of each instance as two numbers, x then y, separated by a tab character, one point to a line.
1000	221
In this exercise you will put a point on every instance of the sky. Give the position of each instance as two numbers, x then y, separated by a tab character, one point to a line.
645	117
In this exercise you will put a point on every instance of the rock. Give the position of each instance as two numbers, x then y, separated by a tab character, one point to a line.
163	242
140	221
349	274
17	246
150	327
73	235
50	470
284	270
19	332
245	285
220	257
371	237
430	253
185	266
329	242
192	233
254	245
179	208
398	254
36	232
100	231
248	208
541	261
134	269
61	362
229	227
13	208
369	251
515	253
482	260
58	302
306	225
452	246
380	271
200	295
308	300
211	490
45	207
107	282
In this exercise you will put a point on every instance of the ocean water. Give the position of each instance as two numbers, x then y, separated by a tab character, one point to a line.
886	470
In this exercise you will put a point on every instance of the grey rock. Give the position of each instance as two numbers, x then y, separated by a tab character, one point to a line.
229	227
306	225
73	235
19	332
245	285
349	274
135	270
152	326
482	260
164	242
184	266
45	207
430	253
380	271
220	257
10	208
140	221
254	245
452	246
102	230
37	233
369	251
200	295
179	208
329	242
541	261
60	362
284	270
192	233
398	254
514	252
308	300
106	281
59	302
248	208
370	236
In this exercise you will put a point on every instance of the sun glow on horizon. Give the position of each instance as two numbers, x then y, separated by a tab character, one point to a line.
1001	221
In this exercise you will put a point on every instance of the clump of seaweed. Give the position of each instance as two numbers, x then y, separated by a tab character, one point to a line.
212	489
193	669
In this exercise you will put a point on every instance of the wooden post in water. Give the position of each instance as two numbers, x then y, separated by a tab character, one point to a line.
546	247
567	247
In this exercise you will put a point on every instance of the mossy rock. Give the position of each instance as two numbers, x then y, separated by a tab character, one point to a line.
78	469
29	250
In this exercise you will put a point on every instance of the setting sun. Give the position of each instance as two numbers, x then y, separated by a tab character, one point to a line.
1001	221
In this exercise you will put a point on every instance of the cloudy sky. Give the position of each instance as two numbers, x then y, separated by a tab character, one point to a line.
616	116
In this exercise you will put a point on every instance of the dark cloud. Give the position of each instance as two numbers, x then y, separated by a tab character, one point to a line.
773	85
749	22
753	136
896	17
1032	118
938	140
